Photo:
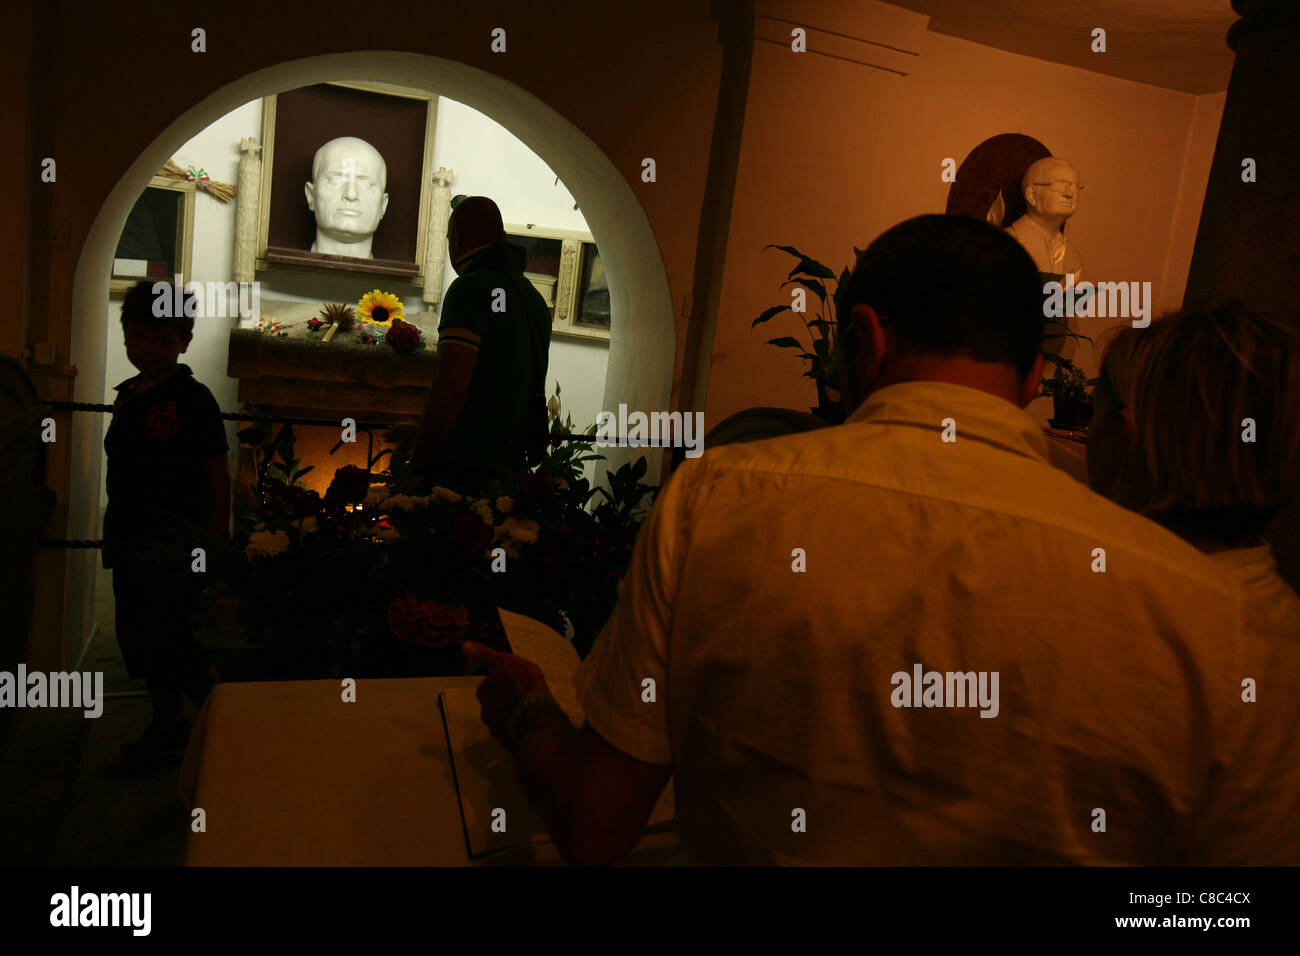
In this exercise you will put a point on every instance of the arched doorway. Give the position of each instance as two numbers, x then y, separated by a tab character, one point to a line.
642	348
642	345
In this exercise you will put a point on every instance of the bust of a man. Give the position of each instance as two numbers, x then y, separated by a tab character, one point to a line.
1051	188
348	193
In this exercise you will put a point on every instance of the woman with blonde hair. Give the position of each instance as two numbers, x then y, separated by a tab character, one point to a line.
1196	424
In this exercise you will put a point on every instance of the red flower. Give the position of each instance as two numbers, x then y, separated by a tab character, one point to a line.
315	324
471	534
413	621
403	336
350	485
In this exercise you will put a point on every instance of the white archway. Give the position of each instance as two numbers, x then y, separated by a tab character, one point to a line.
642	346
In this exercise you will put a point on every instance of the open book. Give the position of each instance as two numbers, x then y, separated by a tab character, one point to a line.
485	771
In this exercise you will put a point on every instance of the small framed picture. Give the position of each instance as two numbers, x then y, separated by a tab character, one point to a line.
347	179
564	266
157	240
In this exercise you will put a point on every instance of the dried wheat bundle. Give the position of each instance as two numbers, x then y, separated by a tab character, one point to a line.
340	318
223	191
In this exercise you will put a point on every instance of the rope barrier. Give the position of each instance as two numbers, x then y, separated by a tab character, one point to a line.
283	420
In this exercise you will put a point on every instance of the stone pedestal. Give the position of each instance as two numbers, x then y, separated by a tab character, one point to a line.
298	376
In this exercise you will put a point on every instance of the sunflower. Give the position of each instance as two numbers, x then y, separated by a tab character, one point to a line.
380	307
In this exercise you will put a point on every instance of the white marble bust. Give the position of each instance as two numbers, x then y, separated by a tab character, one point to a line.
1051	188
348	194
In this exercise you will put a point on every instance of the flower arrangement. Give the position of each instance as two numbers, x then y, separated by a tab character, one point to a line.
404	337
380	308
274	327
370	580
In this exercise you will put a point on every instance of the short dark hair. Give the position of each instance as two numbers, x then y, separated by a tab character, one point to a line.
139	305
952	285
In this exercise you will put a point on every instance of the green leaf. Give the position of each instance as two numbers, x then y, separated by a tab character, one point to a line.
302	471
775	310
790	249
807	264
813	268
821	324
786	342
813	285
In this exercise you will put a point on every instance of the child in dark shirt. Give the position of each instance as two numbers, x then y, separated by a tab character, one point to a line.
168	484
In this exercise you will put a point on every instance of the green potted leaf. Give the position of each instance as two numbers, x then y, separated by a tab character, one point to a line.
818	351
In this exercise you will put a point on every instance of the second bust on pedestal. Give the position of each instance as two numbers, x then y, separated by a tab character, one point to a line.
1051	189
348	194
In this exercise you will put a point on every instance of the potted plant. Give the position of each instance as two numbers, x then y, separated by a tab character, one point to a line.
810	276
1071	398
1067	385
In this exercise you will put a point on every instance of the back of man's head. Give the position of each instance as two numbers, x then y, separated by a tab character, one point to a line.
477	221
951	286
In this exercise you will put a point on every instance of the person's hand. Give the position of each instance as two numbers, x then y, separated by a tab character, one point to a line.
510	679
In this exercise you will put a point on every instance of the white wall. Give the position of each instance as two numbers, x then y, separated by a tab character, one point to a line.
486	160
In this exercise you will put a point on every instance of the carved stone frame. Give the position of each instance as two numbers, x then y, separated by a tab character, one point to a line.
429	272
572	242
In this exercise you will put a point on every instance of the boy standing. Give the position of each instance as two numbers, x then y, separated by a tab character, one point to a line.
168	487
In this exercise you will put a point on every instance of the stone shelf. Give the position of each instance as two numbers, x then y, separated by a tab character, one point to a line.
342	375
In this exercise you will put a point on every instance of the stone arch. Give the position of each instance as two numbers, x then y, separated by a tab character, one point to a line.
642	346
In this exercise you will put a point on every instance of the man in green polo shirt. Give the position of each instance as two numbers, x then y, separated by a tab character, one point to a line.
493	344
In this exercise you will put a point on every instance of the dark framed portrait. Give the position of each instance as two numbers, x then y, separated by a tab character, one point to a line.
156	241
346	168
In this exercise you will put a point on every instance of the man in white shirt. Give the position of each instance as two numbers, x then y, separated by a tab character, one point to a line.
907	639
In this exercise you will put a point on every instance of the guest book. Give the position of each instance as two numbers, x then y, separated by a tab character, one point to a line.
495	812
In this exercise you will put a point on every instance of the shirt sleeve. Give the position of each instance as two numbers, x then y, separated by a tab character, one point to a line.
633	645
467	306
209	428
